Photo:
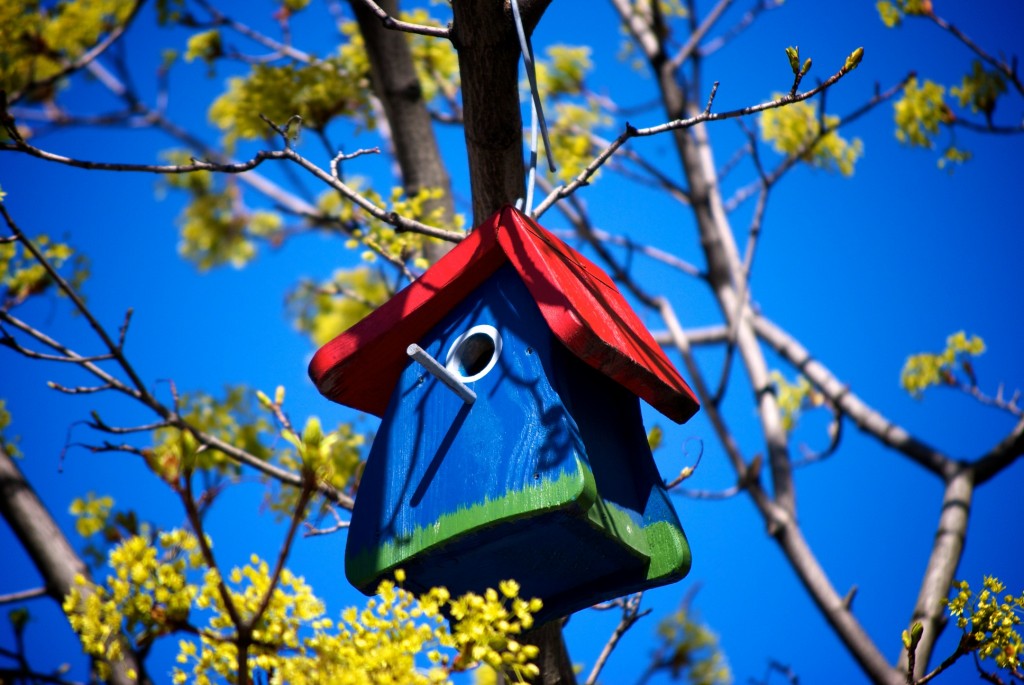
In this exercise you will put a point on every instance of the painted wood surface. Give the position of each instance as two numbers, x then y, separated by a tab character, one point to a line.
547	478
578	301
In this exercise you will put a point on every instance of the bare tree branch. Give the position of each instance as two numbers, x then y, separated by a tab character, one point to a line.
392	218
947	549
1001	456
745	22
136	389
865	418
398	88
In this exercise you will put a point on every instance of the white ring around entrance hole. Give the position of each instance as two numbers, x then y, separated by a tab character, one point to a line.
474	353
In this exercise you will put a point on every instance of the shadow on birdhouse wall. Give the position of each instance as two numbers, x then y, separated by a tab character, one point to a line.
546	477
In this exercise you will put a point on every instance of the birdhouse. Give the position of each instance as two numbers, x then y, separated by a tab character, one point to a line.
508	378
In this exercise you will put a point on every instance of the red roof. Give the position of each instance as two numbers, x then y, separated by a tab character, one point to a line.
577	299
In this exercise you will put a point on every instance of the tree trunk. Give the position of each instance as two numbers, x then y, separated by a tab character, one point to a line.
485	36
51	552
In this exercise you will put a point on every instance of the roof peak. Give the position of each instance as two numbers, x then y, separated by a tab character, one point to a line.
578	300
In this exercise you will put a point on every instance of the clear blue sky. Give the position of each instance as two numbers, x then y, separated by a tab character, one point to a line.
864	271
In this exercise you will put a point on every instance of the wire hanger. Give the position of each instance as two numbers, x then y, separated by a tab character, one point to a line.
536	115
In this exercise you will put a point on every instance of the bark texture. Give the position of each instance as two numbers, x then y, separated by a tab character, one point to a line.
485	36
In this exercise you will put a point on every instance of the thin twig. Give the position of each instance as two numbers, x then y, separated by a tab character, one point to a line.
739	27
673	189
654	253
12	597
583	178
339	524
1007	71
79	389
743	286
219	18
188	501
630	615
73	295
697	36
687	471
100	425
866	418
390	22
9	341
835	435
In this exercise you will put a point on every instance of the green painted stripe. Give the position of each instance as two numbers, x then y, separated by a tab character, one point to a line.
662	542
573	488
670	552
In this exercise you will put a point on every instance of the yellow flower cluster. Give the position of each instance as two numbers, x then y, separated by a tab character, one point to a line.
570	135
436	62
91	513
571	111
792	398
924	370
276	613
791	129
146	596
920	112
8	445
323	309
892	13
21	276
486	628
383	643
205	45
980	89
317	92
562	72
690	648
231	419
215	226
397	639
990	621
274	624
332	458
39	39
